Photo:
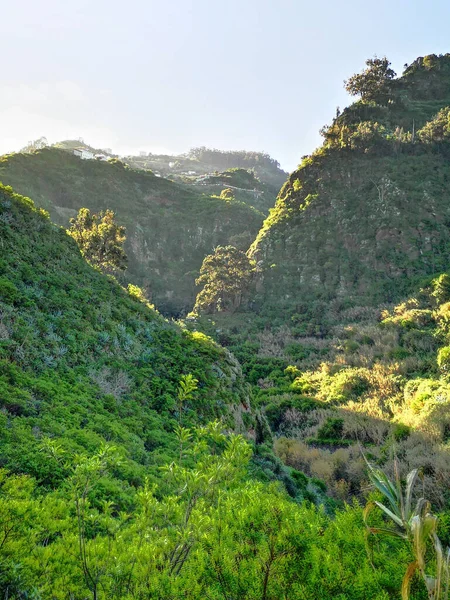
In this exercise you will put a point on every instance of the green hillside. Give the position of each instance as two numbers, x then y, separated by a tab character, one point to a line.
170	228
113	485
343	331
244	185
84	361
368	212
289	440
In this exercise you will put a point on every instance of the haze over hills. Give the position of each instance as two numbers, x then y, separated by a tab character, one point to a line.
171	224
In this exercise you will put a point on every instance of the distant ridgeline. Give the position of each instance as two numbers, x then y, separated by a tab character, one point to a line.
369	211
171	226
203	160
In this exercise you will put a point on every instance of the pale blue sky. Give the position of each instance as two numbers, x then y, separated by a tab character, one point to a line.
168	75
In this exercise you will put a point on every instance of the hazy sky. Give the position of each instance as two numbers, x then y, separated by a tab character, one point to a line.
167	75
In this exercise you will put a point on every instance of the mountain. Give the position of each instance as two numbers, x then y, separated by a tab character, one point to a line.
367	213
170	227
203	161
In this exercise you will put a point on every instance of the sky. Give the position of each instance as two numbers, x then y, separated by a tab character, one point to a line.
168	75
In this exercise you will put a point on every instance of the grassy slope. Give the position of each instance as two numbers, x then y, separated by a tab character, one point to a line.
170	228
83	361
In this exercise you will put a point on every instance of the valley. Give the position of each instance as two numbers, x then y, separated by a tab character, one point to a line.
211	420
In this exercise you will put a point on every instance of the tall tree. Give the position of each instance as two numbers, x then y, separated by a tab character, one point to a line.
373	82
100	239
226	277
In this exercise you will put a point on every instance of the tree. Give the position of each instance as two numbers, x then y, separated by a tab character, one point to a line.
227	194
373	82
35	145
438	129
100	239
226	276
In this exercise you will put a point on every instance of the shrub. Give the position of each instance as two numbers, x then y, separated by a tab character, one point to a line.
332	429
401	432
8	291
443	359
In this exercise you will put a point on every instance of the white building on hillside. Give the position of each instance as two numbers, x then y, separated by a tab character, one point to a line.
83	153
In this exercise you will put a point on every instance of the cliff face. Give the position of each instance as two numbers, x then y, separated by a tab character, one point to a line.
170	228
368	211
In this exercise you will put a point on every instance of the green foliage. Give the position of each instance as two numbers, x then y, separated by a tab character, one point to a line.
373	82
276	408
8	291
227	194
332	429
84	362
170	226
438	129
417	526
443	359
441	288
214	535
379	178
100	239
226	277
401	432
118	485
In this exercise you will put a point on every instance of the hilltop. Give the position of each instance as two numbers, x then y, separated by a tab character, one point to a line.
367	213
200	162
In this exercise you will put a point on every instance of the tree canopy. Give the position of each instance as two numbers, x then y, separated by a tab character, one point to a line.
100	239
372	83
227	194
226	276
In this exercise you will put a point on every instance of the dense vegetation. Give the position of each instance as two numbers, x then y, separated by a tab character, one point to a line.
139	459
100	239
111	486
367	212
346	340
86	361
